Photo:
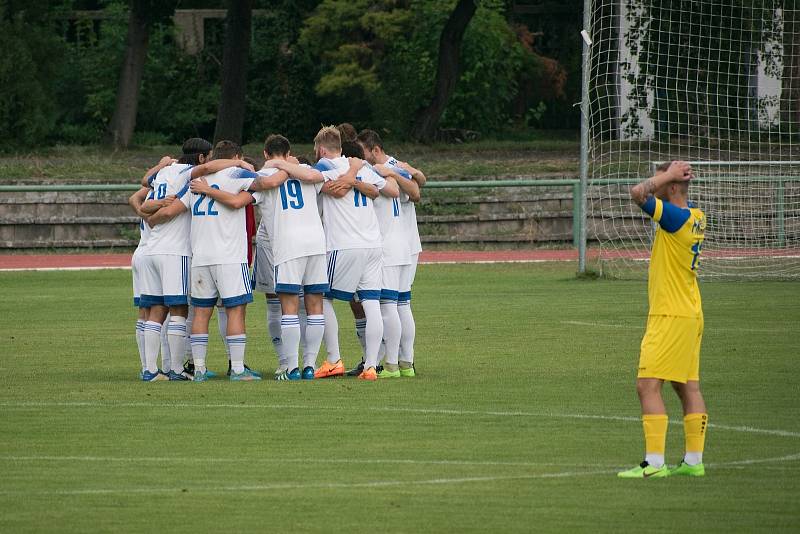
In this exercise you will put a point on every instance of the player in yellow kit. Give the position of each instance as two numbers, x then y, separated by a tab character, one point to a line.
671	346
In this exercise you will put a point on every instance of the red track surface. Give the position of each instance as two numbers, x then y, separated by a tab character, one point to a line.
116	261
111	261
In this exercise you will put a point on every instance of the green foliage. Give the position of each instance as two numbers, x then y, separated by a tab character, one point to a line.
30	57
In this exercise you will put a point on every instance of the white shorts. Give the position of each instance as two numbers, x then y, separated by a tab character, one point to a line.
263	268
391	281
307	274
228	281
355	270
409	272
165	280
137	270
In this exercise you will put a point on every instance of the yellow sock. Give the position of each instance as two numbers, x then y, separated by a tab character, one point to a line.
694	431
655	434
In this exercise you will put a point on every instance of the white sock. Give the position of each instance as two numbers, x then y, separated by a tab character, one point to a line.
331	331
290	334
188	346
176	332
373	334
166	353
655	460
361	326
199	344
236	344
274	329
391	331
408	331
315	329
693	458
222	321
152	345
140	340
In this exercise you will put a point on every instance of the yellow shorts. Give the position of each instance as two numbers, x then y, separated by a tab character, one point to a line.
671	348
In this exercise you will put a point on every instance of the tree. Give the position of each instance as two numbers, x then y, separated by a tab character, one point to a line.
230	114
142	14
447	72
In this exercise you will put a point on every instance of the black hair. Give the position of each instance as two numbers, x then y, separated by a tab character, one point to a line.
370	139
192	149
227	150
276	145
351	149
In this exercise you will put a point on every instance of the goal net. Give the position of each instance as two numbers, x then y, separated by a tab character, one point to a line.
713	82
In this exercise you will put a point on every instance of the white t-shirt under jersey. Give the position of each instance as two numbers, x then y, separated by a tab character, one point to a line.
409	211
172	237
217	230
291	219
350	221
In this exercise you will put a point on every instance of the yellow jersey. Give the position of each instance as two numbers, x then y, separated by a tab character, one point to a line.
672	276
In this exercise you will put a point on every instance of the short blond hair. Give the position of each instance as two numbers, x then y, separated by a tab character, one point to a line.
329	139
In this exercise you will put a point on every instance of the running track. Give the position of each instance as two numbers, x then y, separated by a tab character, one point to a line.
66	262
56	262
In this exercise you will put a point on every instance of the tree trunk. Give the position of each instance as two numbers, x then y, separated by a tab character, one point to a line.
123	122
447	72
230	114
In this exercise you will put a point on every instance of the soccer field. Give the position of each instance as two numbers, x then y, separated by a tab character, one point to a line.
523	410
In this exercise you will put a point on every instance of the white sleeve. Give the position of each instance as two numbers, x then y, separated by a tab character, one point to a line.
369	176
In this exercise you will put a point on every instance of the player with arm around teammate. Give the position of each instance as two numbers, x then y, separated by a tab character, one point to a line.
219	260
670	349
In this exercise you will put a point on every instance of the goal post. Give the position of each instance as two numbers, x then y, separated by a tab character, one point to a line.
713	82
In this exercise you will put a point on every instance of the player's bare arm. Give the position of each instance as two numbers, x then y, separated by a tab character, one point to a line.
335	188
164	162
678	171
217	165
416	174
409	187
136	200
300	172
237	201
166	213
152	205
264	183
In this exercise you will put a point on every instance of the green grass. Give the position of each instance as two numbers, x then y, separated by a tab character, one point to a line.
491	436
545	154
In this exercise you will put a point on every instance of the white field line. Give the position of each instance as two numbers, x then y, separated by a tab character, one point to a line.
371	484
422	411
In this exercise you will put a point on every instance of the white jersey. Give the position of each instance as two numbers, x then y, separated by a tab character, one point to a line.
396	246
172	237
350	221
291	218
144	230
218	232
409	211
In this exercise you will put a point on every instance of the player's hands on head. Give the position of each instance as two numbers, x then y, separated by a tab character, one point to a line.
199	185
680	171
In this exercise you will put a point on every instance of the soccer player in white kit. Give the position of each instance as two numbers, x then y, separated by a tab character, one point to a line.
219	261
166	264
375	155
354	247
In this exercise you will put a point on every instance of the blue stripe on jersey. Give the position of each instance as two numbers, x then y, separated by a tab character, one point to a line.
339	295
204	303
184	189
175	300
147	301
324	165
649	206
238	172
152	178
404	296
389	294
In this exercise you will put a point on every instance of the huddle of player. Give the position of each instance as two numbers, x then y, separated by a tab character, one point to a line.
342	229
